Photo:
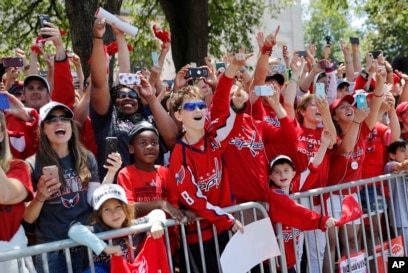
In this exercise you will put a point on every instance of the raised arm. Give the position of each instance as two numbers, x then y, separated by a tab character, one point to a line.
100	96
348	61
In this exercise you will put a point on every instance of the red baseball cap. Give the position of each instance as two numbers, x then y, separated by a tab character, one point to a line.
401	108
336	103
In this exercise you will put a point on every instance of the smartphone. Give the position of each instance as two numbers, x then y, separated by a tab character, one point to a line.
155	59
129	79
361	102
302	53
4	102
320	90
197	72
111	146
137	68
51	172
13	62
264	90
218	65
279	68
354	40
42	18
375	53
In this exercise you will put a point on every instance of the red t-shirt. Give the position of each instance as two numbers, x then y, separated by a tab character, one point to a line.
12	215
142	186
349	167
375	152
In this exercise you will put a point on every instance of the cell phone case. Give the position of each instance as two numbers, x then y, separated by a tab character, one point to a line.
197	72
129	79
111	146
4	102
13	62
50	172
361	102
320	90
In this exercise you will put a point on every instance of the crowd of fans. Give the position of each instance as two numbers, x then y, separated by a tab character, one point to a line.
217	136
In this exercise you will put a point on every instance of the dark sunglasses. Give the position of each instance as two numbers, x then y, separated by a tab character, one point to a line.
191	106
131	95
54	119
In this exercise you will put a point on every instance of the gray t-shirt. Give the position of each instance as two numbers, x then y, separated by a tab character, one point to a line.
61	209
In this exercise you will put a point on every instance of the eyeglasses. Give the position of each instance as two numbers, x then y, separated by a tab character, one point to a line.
191	106
54	119
131	95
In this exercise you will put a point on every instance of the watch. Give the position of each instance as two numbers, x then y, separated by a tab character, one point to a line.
364	75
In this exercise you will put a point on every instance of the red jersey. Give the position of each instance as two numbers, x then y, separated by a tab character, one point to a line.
306	147
282	209
196	171
24	136
348	167
12	215
246	159
376	155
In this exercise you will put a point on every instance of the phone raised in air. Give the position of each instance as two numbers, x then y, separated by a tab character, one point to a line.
320	90
302	53
111	146
375	53
42	18
354	40
13	62
361	101
196	72
4	102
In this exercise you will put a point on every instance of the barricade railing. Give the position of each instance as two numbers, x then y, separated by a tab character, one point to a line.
258	211
373	249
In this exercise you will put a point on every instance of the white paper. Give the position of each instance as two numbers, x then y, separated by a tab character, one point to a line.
246	250
110	18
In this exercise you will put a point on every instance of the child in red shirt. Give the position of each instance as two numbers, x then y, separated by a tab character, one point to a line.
284	181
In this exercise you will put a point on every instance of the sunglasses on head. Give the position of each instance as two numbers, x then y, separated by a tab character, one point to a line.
53	119
131	95
191	106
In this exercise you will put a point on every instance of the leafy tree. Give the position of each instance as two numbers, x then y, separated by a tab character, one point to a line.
384	28
198	27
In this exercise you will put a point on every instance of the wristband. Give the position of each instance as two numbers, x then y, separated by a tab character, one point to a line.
266	50
96	37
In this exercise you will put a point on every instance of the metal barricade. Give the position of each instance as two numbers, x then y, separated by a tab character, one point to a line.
374	247
239	210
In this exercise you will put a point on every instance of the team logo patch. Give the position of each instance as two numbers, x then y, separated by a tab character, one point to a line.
70	203
180	175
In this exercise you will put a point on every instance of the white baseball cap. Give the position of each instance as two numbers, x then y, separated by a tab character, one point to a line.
108	191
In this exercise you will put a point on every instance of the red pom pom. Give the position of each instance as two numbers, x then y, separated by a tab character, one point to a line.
162	35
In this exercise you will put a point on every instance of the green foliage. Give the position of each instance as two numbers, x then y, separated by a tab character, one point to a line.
233	23
325	20
387	24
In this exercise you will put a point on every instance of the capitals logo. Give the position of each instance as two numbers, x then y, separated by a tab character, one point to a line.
70	203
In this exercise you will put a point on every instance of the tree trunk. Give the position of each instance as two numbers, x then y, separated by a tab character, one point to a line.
81	19
189	30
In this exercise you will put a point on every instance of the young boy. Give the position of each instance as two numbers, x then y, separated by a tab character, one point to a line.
196	168
398	153
284	181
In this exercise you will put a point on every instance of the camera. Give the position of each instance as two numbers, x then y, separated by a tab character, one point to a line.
328	39
197	72
264	90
